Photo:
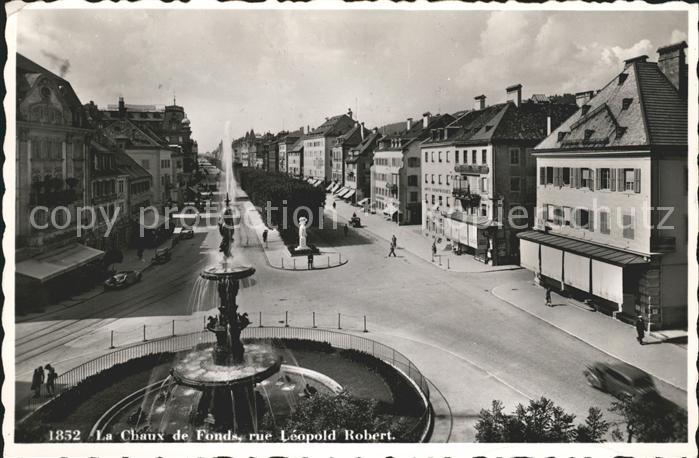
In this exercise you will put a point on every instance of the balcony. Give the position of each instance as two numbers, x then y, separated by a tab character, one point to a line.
392	187
468	199
472	169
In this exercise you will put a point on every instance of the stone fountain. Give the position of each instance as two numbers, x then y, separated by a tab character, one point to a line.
227	373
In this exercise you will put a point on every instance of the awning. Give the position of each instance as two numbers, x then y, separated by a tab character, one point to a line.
344	193
334	187
390	210
51	265
591	250
349	194
340	191
329	187
364	201
317	183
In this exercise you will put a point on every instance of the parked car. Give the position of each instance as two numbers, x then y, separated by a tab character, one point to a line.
355	221
122	279
183	233
162	255
620	380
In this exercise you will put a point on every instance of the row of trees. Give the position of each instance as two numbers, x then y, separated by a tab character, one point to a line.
287	198
650	419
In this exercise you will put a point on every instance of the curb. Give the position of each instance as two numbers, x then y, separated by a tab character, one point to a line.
583	340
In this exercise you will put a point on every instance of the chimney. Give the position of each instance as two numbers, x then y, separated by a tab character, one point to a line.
548	125
409	124
349	113
514	94
122	108
361	129
581	98
673	63
426	118
480	102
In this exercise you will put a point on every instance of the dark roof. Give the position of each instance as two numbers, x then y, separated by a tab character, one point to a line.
396	127
128	166
363	148
417	131
26	67
352	137
333	127
638	107
591	250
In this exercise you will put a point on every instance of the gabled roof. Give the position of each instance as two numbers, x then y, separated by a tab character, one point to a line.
298	146
363	148
128	166
352	137
333	127
638	107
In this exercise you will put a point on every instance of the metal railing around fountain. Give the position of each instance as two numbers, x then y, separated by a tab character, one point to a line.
340	340
173	327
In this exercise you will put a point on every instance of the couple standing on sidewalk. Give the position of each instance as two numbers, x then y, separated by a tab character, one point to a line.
38	379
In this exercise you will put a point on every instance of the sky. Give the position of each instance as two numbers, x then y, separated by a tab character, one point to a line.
273	70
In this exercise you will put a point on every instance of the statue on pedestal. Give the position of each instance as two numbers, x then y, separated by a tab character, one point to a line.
302	234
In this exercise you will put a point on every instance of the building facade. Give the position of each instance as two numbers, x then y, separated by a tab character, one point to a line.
343	144
395	175
610	226
318	144
286	142
295	158
358	168
478	175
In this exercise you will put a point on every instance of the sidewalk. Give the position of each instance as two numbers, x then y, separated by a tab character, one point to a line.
664	361
275	250
130	262
411	239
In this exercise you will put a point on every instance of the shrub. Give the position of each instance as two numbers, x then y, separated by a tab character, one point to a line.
651	419
540	421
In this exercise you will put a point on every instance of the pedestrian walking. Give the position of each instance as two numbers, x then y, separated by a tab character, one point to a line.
548	297
346	229
640	329
264	237
334	205
394	240
392	250
434	250
51	377
310	261
37	381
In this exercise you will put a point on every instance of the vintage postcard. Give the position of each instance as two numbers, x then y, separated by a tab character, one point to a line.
350	229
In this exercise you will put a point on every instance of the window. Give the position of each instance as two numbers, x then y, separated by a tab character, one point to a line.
413	162
427	156
566	176
440	156
605	179
433	199
440	201
558	215
432	155
412	180
439	178
413	196
433	178
484	184
447	180
456	156
567	216
628	226
484	157
484	210
550	213
121	186
549	175
448	202
426	180
586	180
514	184
583	219
473	157
604	222
514	156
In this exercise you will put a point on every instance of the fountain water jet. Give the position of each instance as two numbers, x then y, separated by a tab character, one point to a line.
226	374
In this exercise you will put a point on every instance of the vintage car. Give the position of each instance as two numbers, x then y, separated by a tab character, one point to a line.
162	255
183	233
620	380
122	279
355	221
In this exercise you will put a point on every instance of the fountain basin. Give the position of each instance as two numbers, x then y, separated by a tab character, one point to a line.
226	271
197	369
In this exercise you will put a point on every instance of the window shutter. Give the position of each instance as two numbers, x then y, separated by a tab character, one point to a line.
557	176
542	175
591	221
621	179
637	180
612	179
598	179
575	177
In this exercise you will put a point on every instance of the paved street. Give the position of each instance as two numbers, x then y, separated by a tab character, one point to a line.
471	345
